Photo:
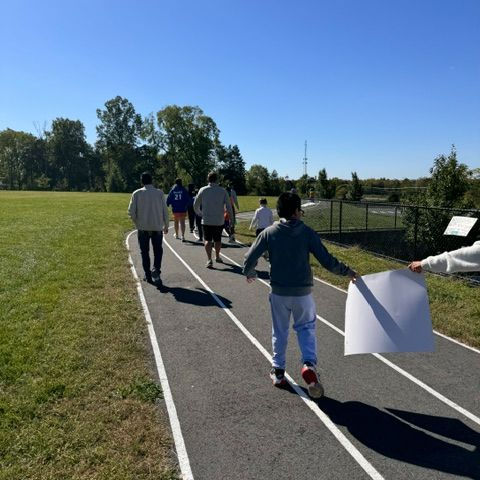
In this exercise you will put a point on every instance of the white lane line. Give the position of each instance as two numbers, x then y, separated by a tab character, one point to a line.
415	380
183	460
435	332
349	447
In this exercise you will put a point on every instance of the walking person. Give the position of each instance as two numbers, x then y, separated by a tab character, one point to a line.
213	199
148	210
262	218
190	210
179	199
198	220
289	243
234	202
466	259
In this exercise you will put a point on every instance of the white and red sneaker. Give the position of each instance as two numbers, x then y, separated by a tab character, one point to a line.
278	377
312	379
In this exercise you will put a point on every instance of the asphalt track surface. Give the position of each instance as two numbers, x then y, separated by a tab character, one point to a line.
396	416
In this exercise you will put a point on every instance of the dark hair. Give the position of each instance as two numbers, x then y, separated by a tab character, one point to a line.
262	201
212	177
146	178
287	204
178	182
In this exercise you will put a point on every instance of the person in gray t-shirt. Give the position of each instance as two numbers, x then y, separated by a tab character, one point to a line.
213	199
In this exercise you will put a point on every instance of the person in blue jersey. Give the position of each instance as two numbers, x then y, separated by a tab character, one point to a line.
289	243
179	199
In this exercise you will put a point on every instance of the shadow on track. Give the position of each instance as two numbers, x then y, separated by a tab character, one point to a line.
198	297
409	437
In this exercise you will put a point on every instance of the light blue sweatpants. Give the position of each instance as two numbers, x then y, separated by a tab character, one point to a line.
304	320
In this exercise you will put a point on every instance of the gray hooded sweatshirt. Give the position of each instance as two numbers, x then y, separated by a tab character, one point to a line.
289	244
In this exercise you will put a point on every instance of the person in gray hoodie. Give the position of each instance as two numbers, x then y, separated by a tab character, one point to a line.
289	243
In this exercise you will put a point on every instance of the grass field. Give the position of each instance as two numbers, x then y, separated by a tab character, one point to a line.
78	398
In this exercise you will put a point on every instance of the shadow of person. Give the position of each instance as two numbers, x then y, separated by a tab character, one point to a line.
410	437
199	296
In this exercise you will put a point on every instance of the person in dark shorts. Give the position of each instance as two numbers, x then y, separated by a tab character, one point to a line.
213	199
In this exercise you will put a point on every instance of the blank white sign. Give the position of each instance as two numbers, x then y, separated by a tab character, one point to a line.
388	312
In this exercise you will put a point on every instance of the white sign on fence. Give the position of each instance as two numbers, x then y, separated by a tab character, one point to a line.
460	226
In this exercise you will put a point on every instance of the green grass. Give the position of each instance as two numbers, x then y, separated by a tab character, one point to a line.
250	203
77	397
326	217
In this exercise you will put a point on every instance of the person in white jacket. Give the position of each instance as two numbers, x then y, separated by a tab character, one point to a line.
466	259
262	218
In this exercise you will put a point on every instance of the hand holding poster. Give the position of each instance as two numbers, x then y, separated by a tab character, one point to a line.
388	312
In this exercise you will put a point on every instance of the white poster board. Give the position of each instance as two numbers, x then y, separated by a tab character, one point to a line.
388	312
460	226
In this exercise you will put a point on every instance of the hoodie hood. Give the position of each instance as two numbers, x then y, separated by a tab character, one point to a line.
290	228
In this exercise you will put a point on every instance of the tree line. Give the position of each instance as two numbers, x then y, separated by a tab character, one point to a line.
184	142
174	142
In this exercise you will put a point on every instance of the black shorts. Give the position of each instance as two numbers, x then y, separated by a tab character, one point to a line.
212	233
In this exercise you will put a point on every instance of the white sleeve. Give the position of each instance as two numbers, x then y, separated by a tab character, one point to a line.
466	259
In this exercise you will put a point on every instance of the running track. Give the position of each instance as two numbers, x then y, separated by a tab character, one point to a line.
397	416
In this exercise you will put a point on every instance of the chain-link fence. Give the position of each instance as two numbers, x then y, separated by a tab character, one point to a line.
400	232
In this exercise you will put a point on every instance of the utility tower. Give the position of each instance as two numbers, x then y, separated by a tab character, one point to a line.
305	160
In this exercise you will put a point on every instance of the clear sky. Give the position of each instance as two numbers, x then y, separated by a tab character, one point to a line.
380	87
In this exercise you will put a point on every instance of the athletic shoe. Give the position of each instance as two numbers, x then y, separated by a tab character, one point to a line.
147	278
200	240
312	379
278	377
231	239
219	260
209	264
175	237
183	238
156	276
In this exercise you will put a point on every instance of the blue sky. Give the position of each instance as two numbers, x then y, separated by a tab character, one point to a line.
379	87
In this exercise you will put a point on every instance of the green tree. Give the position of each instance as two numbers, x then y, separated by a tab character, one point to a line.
118	140
69	150
355	189
446	189
18	159
188	139
325	188
232	166
473	194
258	180
449	182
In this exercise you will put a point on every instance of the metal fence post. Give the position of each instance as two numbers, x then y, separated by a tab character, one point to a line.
415	234
340	221
366	217
331	216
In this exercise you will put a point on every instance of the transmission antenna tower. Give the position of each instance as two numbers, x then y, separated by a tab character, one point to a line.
305	160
